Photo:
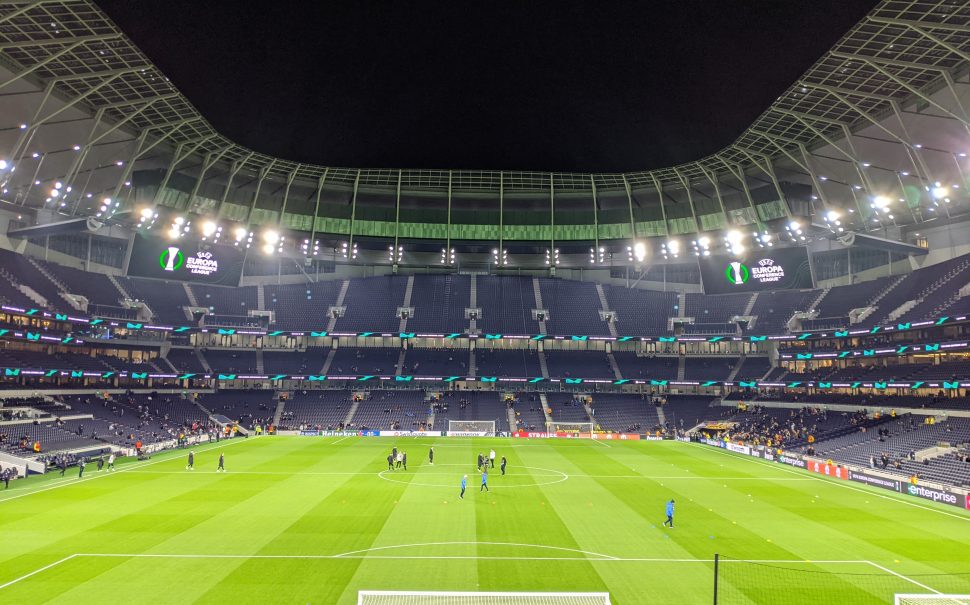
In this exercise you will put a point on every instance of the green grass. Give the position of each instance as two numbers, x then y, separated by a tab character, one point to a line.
570	515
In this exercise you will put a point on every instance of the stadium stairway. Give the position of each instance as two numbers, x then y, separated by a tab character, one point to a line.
751	303
341	297
400	356
403	326
202	360
280	405
681	366
605	305
736	368
545	408
511	416
260	297
660	415
327	362
121	289
259	361
615	366
682	304
61	288
542	364
472	367
351	412
542	325
190	294
473	304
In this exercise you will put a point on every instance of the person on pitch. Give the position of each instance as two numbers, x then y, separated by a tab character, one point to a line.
464	484
484	480
191	465
504	461
431	455
670	514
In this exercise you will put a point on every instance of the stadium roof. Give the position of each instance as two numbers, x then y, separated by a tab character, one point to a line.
850	121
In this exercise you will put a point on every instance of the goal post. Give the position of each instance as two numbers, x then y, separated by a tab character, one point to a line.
931	599
471	428
418	597
571	429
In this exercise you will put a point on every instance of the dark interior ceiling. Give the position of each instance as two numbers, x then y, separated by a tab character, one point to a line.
593	86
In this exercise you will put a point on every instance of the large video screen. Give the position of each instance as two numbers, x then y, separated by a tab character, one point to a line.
756	271
182	260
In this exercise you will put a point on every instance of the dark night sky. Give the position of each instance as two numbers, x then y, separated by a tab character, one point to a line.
593	86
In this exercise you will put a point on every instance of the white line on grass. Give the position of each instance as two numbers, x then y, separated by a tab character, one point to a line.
127	469
341	439
836	482
899	575
37	571
516	544
557	474
604	559
362	554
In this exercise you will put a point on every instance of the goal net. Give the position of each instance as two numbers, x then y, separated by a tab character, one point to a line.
570	429
471	428
932	599
401	597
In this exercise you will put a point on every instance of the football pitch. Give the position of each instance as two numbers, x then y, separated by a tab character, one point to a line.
316	519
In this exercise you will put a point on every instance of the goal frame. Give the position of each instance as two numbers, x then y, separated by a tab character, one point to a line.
465	428
581	429
931	598
602	598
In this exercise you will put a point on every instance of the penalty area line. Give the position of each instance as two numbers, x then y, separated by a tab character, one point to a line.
37	571
901	576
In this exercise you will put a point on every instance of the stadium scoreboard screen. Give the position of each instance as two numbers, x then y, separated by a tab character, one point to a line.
757	271
197	262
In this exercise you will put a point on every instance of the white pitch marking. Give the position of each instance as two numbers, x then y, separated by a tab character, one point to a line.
376	548
899	575
341	439
126	469
605	559
834	482
37	571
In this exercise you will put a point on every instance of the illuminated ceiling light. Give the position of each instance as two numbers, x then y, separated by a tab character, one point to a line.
76	148
832	216
268	248
23	127
240	233
880	202
704	241
179	220
55	193
270	236
794	226
940	192
174	232
208	228
146	213
639	251
3	164
35	155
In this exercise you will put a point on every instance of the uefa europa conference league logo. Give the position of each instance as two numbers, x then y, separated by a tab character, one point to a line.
202	263
767	271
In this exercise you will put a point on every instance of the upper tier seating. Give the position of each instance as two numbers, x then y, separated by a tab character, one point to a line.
573	307
372	304
439	303
302	306
641	312
506	303
507	362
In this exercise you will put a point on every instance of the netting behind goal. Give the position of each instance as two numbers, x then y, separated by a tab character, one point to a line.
401	597
932	599
570	428
471	428
741	582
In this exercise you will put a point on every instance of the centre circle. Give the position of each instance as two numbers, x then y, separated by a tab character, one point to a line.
552	477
